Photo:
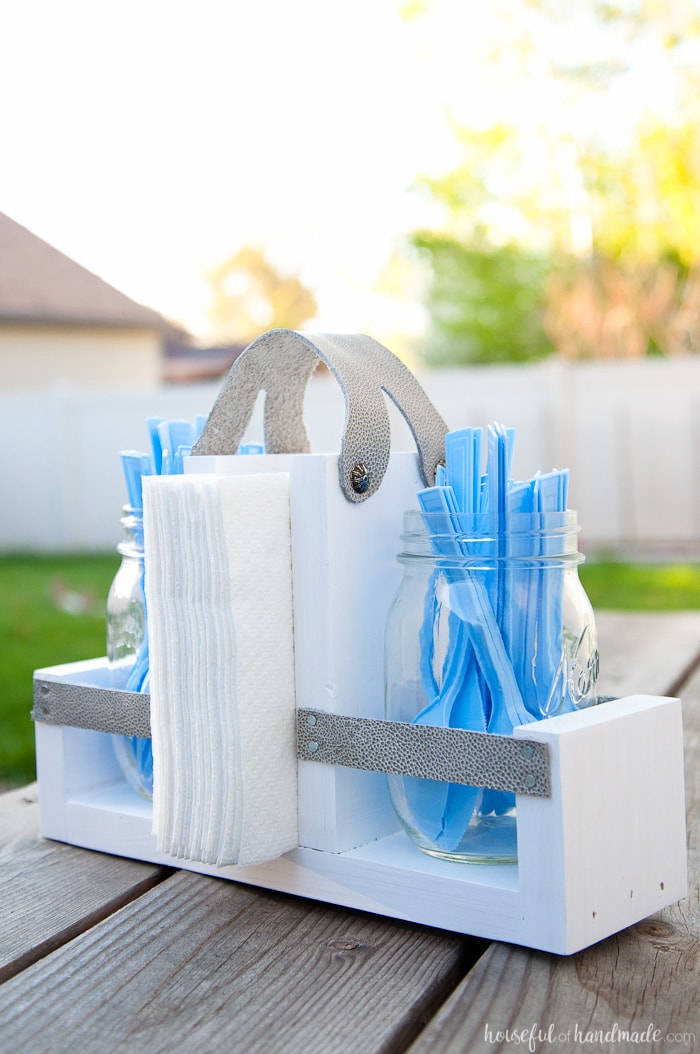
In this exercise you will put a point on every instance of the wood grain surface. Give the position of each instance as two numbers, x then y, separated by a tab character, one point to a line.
646	976
106	955
647	652
198	964
50	892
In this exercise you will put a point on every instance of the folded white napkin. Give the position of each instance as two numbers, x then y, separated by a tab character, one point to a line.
221	646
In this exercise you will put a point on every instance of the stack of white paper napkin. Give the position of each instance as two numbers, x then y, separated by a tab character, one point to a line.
220	622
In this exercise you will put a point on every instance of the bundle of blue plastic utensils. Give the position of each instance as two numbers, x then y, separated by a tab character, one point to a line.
468	516
501	661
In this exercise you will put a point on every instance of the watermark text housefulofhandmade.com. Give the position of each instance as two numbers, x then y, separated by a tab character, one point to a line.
537	1035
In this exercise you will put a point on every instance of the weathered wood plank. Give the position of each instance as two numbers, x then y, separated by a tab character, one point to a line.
646	652
648	975
51	892
200	964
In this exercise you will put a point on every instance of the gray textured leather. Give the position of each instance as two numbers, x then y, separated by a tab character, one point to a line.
87	706
280	363
451	755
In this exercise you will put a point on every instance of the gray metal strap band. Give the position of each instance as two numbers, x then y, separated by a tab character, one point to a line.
280	363
87	706
451	755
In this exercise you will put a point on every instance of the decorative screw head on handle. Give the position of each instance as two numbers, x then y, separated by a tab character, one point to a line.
359	477
280	363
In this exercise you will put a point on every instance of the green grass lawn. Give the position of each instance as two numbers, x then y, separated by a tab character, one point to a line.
52	610
641	587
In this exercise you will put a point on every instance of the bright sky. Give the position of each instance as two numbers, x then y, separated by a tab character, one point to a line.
149	140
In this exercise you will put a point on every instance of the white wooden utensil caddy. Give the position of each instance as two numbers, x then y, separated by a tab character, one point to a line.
605	849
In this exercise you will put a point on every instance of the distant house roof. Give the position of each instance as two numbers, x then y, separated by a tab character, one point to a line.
39	284
185	362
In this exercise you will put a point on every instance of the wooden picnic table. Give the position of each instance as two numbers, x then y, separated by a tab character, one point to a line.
102	954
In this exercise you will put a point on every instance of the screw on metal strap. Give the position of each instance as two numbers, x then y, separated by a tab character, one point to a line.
90	706
451	755
281	361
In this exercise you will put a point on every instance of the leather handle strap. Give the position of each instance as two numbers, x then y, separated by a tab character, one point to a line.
281	361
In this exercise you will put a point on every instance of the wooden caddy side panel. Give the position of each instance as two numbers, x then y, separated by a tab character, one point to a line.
606	850
613	833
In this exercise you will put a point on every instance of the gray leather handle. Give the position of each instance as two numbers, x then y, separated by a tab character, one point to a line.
281	361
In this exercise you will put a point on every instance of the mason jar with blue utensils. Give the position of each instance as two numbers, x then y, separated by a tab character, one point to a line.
491	628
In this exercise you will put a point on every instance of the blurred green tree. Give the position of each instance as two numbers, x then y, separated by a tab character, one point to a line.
572	223
484	302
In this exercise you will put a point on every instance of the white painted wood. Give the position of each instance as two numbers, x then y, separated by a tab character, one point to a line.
72	761
345	577
609	847
615	825
50	767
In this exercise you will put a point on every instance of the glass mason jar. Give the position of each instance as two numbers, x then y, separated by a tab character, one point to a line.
488	630
127	645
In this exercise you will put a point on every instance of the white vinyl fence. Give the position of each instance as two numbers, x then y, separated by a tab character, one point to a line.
629	432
